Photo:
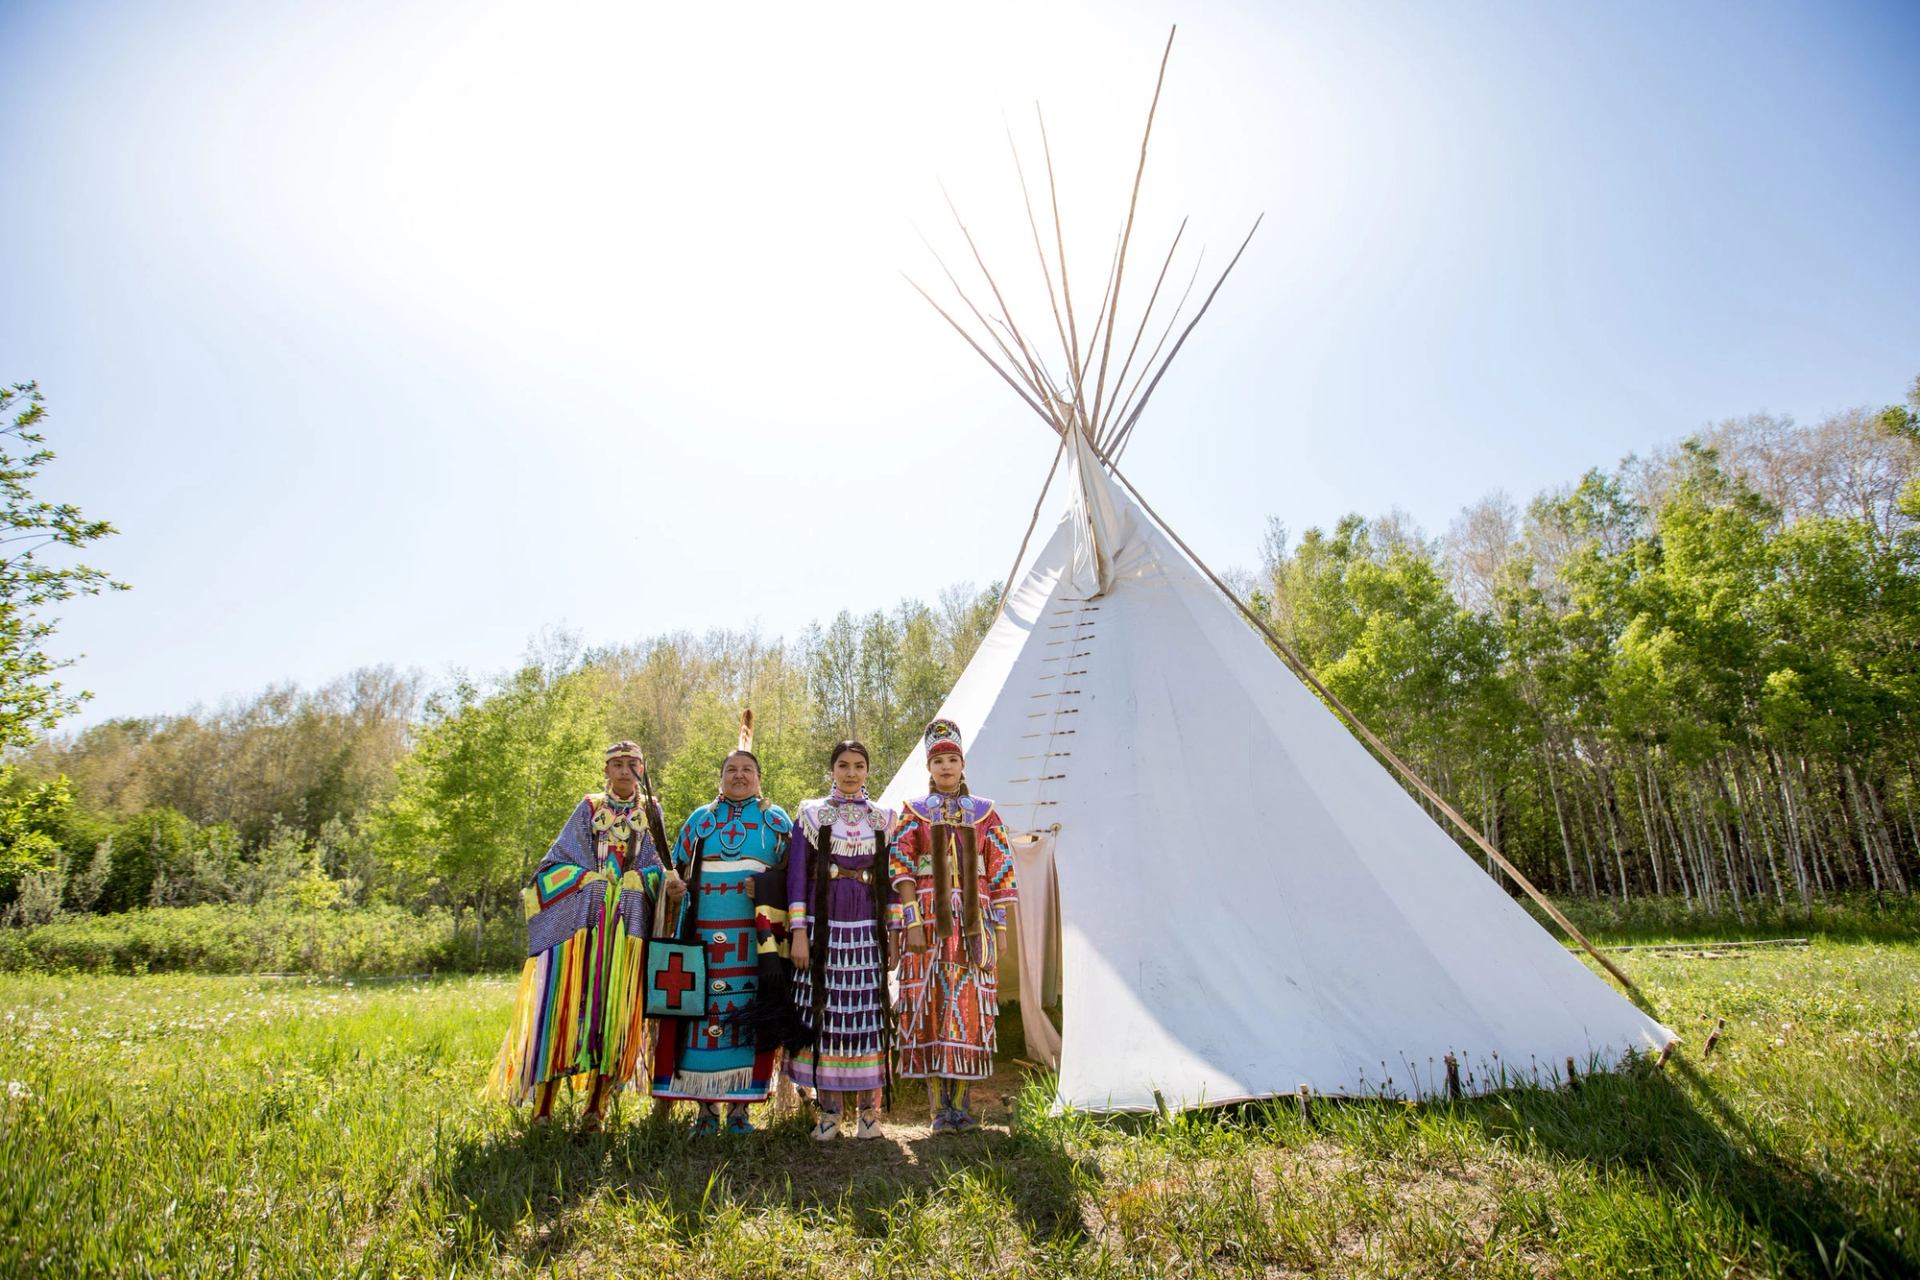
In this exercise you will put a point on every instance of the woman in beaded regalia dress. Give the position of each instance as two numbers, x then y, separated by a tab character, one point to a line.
732	854
837	914
952	871
579	1012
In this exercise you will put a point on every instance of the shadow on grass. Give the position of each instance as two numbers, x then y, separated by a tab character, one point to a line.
1673	1129
1669	1135
514	1190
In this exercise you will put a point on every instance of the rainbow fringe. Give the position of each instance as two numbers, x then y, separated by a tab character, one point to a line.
578	1009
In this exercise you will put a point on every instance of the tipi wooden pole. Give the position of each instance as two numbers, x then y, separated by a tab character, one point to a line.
981	352
1060	250
1125	415
1046	274
1032	521
1120	266
1006	316
1120	439
1033	378
1120	378
1107	298
1387	753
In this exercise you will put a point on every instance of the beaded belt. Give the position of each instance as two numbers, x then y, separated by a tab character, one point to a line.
837	872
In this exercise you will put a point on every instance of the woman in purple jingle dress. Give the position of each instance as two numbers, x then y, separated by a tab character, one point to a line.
841	947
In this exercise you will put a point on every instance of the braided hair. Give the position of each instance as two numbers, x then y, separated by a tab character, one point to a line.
942	839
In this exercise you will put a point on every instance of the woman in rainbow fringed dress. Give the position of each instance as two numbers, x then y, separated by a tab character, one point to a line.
580	1015
837	915
952	871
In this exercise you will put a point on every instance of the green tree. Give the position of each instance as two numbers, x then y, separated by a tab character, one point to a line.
490	782
147	846
32	701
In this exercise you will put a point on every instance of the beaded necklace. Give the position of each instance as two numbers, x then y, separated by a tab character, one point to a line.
613	818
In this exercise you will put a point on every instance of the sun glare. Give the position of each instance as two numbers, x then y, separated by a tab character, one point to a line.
716	201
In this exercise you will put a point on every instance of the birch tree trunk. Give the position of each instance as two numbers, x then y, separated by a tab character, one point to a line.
1560	816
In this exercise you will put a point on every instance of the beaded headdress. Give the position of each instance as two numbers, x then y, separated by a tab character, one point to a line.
625	749
942	735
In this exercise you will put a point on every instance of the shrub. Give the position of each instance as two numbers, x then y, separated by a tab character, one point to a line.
276	937
1850	917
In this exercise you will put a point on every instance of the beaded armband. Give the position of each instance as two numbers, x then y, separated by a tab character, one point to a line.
909	914
796	916
896	915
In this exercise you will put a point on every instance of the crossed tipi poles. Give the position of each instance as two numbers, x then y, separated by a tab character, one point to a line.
1089	399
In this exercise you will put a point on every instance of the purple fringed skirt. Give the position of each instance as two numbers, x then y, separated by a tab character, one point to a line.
846	1055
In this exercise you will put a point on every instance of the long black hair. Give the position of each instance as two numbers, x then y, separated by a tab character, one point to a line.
820	872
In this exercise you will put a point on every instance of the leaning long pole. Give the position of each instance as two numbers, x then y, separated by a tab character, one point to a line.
1046	275
981	352
1373	740
1033	521
654	815
1119	438
1126	237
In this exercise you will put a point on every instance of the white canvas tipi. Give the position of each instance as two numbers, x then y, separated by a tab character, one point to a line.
1224	892
1246	900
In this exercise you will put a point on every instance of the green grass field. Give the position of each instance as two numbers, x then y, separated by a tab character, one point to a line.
181	1125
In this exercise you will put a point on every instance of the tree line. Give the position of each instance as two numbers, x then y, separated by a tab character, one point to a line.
1693	674
379	787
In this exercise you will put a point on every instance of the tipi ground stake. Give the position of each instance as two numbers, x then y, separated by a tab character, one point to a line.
1453	1078
1719	1025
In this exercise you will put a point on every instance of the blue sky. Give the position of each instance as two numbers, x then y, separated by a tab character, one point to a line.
397	332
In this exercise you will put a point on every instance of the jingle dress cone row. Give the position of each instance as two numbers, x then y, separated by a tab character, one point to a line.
842	998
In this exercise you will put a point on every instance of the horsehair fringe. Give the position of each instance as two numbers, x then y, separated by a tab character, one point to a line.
942	840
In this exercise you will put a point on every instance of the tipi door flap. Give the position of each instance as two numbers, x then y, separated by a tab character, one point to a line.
1036	942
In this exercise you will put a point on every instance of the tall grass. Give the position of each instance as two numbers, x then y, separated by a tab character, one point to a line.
182	1126
1840	917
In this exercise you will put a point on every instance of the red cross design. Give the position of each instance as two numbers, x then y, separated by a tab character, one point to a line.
737	830
674	980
